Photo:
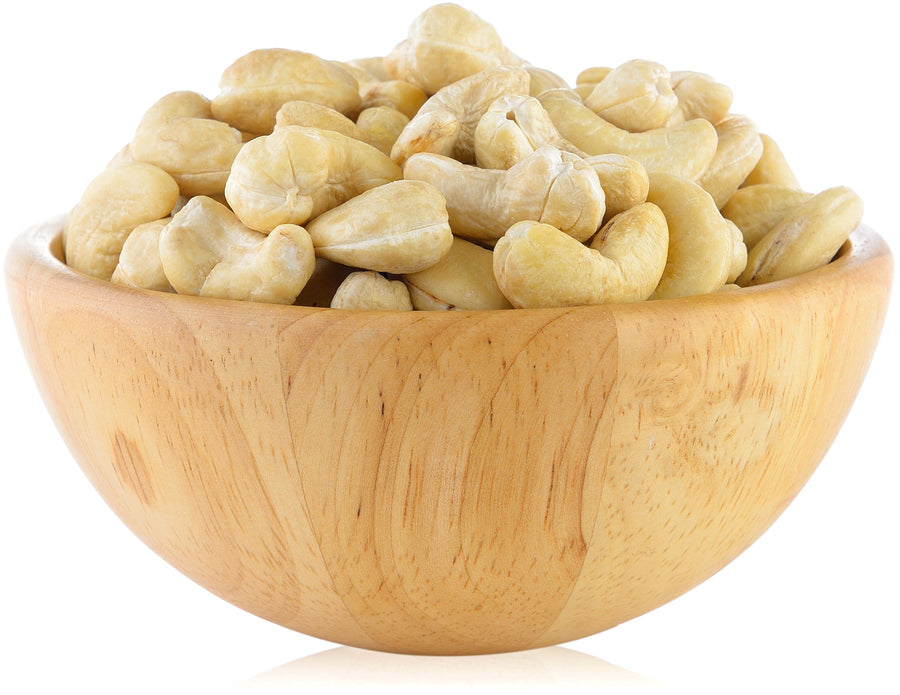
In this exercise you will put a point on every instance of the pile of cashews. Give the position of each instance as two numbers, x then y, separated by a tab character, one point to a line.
450	174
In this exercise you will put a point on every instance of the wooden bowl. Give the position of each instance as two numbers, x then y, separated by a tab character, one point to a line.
449	482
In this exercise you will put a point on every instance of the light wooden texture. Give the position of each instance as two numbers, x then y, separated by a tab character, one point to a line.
449	482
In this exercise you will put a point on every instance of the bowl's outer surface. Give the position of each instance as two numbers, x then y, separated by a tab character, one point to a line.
449	482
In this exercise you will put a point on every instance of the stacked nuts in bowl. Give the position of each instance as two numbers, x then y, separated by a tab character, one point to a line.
450	174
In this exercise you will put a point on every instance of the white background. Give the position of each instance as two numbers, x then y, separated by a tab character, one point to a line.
812	606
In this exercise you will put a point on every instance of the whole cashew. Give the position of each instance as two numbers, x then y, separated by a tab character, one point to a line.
683	150
256	85
446	122
536	265
635	96
550	186
757	209
463	279
179	135
400	227
297	173
807	238
206	251
139	262
739	149
702	244
512	128
311	115
445	44
114	203
772	167
368	290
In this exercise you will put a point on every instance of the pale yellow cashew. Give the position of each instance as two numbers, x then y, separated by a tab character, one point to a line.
549	186
256	85
739	149
139	262
624	181
757	209
297	173
371	291
772	167
179	135
114	203
446	43
206	251
702	244
699	96
380	126
400	227
463	279
512	128
446	122
310	115
683	150
807	238
536	265
635	96
403	96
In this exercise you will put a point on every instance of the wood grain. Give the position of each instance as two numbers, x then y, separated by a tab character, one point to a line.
449	482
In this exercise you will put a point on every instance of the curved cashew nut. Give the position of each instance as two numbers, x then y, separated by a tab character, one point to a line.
772	167
738	150
536	265
702	244
549	186
512	128
368	290
297	173
139	263
179	135
400	227
256	85
463	279
311	115
206	251
683	150
445	44
624	181
114	203
757	209
699	96
635	96
446	122
807	238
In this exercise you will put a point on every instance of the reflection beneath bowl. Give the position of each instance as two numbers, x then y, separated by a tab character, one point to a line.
346	668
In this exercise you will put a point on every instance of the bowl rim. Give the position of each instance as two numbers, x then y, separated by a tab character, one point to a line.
40	248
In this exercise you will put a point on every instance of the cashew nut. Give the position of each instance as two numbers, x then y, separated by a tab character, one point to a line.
206	251
446	122
368	290
772	167
512	128
179	135
757	209
536	265
256	85
139	262
806	238
739	149
400	227
380	126
550	186
445	44
702	244
635	96
310	115
684	150
462	279
624	181
403	96
114	203
297	173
